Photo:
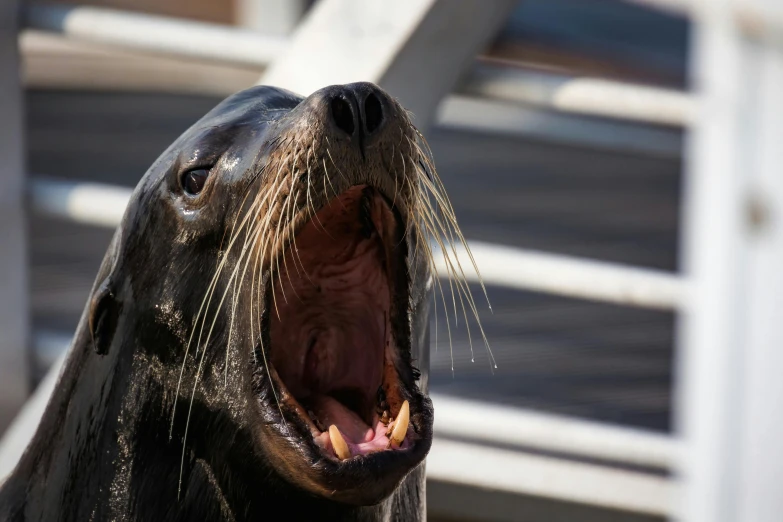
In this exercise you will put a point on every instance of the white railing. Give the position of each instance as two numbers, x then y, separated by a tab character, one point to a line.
104	205
504	425
170	36
484	445
156	34
477	444
473	437
728	460
591	96
499	469
95	204
569	276
474	423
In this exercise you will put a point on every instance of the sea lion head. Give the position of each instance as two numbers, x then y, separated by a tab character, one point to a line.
276	262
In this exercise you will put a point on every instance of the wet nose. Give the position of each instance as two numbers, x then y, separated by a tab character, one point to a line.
358	109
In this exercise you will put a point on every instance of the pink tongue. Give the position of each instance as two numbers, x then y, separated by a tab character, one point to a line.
331	411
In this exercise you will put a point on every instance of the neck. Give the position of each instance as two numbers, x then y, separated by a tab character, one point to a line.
76	442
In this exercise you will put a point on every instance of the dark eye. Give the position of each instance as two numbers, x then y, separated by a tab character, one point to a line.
193	181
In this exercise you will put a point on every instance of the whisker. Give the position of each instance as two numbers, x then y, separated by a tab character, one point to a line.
207	296
201	365
440	222
439	191
328	178
434	269
312	206
463	288
335	164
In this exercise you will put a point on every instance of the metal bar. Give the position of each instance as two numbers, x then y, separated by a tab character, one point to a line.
760	417
157	34
593	96
14	315
52	61
476	464
709	339
103	205
389	43
274	17
480	115
730	341
568	276
510	471
225	45
503	425
89	203
55	62
456	502
162	34
483	423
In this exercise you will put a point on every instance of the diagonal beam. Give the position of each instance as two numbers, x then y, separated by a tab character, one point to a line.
415	49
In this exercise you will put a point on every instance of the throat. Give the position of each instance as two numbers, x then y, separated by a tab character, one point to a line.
332	344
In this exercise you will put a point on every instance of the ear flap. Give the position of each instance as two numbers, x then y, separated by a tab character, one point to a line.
105	311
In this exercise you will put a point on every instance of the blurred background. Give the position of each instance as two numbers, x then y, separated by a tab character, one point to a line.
558	127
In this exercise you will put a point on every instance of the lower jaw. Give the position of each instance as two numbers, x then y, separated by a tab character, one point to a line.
363	479
351	436
337	432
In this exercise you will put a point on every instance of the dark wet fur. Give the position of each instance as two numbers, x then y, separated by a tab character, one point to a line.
103	450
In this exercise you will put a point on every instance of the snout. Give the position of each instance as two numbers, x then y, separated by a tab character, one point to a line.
357	115
358	109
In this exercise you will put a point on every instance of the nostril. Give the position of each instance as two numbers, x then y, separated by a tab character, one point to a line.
343	117
373	112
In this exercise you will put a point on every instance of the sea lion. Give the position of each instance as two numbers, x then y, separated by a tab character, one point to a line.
255	345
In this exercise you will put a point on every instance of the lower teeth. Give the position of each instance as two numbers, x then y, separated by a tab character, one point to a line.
341	449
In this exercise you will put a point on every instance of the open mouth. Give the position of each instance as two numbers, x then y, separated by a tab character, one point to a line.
337	307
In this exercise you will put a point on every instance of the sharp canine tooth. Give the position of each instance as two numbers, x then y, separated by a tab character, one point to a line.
338	443
401	424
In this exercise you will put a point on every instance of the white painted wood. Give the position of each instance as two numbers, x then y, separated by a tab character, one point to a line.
593	96
163	38
89	203
759	20
482	466
475	114
761	416
568	276
55	61
156	34
415	49
730	352
14	316
497	469
495	424
104	205
709	350
273	17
